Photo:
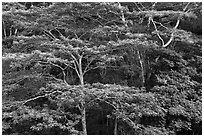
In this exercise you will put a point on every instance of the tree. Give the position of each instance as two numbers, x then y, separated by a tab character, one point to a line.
51	50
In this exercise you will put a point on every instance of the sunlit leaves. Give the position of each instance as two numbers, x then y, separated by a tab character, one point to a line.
46	45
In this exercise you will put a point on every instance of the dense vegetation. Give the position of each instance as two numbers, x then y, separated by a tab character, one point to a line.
101	68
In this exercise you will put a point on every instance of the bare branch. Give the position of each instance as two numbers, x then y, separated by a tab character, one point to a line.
68	65
172	34
157	32
80	109
15	33
75	66
90	69
153	5
137	6
20	80
47	34
32	99
80	66
11	31
132	123
83	34
142	5
60	33
64	74
160	24
114	107
175	27
87	66
50	76
170	40
76	35
142	67
75	59
149	21
186	6
52	34
111	22
5	35
122	15
99	22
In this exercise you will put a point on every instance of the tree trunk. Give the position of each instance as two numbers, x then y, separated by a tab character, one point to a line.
115	126
83	119
142	68
10	31
83	109
4	28
15	33
5	33
81	76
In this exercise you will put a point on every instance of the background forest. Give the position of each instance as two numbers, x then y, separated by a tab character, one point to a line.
119	68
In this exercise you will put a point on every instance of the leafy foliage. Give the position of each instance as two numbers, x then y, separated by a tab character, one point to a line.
101	68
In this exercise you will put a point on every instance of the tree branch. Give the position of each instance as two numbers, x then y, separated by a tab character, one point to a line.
90	69
157	31
75	66
172	34
76	35
64	74
137	6
143	6
142	68
32	99
186	6
49	33
175	27
83	34
161	24
153	5
11	31
123	16
114	107
52	34
60	33
16	103
68	66
15	33
87	66
50	76
5	35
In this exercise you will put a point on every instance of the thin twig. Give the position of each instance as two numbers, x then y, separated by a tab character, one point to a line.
107	103
60	33
91	69
64	74
137	6
161	24
87	66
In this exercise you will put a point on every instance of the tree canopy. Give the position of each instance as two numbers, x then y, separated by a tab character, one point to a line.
122	68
